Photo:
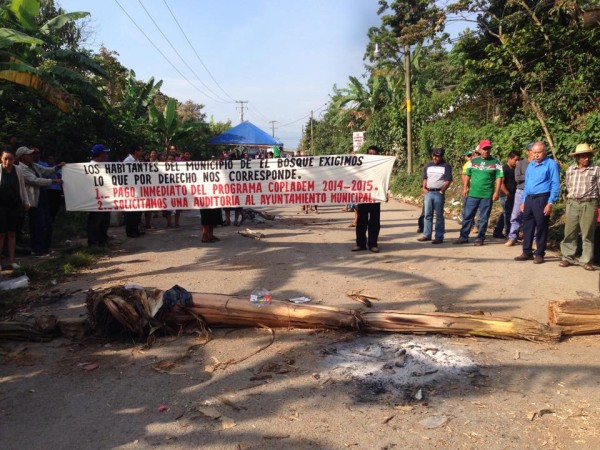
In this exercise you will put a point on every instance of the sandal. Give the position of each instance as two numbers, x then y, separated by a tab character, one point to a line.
214	239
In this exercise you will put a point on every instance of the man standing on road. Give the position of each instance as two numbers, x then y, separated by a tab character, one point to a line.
516	217
507	196
368	219
40	222
437	176
542	184
583	191
481	187
98	221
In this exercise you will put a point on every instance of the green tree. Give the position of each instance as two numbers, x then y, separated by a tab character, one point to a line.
167	124
535	56
30	56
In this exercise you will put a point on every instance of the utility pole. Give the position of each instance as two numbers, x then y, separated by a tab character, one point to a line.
407	81
272	122
311	132
241	102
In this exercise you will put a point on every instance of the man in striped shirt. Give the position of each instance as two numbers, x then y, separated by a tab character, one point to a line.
583	191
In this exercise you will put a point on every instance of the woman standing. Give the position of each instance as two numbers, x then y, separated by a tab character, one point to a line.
13	196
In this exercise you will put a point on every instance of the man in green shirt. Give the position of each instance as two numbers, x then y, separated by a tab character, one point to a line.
481	187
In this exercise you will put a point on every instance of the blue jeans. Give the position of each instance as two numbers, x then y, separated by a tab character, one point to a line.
516	217
472	205
434	203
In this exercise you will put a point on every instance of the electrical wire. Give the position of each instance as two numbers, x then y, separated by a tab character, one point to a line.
303	117
217	98
196	53
159	51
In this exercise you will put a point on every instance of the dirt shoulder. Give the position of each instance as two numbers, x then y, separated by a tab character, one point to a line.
514	394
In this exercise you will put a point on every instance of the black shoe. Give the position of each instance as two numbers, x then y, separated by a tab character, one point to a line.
358	248
461	241
524	257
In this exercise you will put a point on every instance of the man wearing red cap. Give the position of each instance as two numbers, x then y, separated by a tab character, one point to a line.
481	187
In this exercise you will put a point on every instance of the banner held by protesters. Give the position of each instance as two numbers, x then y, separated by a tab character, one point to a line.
315	180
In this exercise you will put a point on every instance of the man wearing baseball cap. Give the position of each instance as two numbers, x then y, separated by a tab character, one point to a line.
481	187
437	176
98	221
583	192
40	221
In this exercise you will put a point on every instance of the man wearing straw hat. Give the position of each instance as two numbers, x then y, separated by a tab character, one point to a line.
583	191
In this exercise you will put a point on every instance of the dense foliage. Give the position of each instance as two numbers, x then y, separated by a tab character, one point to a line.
525	70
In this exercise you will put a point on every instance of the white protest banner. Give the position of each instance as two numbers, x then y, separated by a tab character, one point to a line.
144	186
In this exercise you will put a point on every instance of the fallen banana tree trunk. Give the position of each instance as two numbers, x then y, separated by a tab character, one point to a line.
132	311
229	311
575	317
457	324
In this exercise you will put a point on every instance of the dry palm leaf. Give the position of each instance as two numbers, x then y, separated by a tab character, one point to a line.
362	298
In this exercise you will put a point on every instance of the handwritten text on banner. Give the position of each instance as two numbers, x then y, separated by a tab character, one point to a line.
315	180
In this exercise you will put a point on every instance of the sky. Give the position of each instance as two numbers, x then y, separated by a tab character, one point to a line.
281	56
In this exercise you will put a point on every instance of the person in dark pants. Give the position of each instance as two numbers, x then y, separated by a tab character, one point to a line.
368	220
98	221
40	221
542	185
507	195
133	219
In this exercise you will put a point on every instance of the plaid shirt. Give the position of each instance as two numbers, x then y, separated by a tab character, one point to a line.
583	184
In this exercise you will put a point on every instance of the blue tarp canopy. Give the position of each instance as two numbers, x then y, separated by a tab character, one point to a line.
245	133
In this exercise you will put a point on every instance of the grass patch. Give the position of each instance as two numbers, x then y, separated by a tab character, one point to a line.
11	300
67	263
45	273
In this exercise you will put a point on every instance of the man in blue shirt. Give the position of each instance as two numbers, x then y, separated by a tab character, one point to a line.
542	184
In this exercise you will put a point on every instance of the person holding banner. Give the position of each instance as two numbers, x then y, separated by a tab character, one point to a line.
40	222
13	197
368	220
133	219
98	221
